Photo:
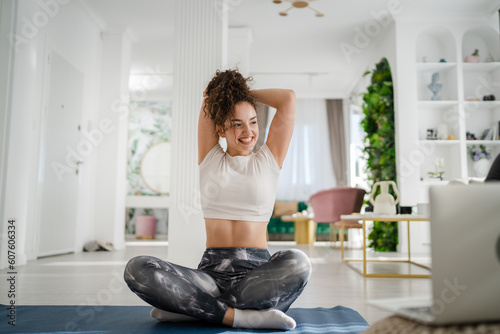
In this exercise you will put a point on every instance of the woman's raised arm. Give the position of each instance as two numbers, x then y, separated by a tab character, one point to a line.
281	129
207	134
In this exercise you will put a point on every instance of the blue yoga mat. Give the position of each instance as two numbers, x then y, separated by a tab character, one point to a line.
136	319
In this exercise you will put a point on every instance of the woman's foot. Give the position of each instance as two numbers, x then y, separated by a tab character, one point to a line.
269	319
166	316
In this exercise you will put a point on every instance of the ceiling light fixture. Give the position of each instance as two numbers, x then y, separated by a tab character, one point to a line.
298	4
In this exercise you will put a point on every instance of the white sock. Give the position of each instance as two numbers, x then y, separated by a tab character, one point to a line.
166	316
269	319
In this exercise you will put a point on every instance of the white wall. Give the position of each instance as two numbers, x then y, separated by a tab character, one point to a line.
111	153
238	50
70	31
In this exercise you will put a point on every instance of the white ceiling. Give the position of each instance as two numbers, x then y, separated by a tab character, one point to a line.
299	43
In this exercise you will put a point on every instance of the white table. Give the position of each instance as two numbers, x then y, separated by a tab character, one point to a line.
383	218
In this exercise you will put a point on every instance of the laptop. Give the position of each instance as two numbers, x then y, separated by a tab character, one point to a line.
465	251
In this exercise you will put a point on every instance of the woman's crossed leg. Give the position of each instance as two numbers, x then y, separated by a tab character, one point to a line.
222	291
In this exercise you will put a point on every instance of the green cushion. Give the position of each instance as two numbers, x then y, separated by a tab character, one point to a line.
323	229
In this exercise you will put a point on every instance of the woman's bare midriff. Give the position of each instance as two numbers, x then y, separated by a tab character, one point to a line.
235	233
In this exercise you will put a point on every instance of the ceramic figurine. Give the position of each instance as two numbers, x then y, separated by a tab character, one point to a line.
384	203
442	131
435	87
489	59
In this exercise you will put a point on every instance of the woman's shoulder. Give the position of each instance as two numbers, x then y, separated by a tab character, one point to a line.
212	154
264	153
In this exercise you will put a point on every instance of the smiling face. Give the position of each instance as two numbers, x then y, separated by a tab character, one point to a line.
242	130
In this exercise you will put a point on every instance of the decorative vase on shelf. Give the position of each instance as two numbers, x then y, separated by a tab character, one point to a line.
473	58
481	167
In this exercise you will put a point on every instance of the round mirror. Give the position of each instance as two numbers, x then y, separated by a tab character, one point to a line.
155	167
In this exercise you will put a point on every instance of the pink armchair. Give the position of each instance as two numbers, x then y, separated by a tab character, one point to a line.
329	205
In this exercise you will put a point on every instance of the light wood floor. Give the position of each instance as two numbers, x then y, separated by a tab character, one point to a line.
96	278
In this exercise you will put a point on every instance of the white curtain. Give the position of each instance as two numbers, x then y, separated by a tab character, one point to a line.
308	164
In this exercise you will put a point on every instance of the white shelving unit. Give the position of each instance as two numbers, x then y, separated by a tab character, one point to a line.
461	108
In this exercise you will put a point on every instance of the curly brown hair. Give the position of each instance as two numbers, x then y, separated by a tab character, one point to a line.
225	90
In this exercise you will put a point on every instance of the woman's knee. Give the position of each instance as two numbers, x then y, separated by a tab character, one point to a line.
135	267
297	262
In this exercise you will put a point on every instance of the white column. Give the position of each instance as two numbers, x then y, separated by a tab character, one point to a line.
20	155
8	11
406	115
111	164
200	49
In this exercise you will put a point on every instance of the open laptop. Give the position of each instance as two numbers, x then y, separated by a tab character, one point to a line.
465	251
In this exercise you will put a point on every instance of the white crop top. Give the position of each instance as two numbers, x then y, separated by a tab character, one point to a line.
239	187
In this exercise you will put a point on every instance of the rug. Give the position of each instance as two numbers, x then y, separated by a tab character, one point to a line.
136	319
396	324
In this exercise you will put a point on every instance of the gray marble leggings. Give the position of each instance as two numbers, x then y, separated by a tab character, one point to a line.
244	278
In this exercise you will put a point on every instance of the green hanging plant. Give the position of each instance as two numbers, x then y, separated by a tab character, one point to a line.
380	152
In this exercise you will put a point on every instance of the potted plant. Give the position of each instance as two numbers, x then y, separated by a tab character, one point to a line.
145	225
474	58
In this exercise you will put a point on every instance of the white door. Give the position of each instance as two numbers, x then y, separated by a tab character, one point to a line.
60	158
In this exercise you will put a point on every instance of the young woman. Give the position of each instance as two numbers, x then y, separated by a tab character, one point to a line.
237	283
